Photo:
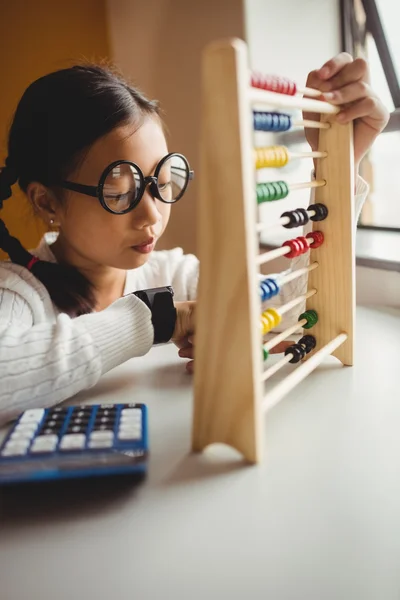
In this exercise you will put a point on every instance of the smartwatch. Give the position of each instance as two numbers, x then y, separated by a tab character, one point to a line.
163	311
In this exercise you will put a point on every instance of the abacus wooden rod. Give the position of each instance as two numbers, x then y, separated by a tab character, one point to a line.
263	97
282	336
313	93
276	367
310	154
261	259
289	305
282	388
298	273
307	184
308	124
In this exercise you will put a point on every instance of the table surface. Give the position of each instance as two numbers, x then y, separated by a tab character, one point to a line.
318	520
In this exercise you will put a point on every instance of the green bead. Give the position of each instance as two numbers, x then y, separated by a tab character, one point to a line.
271	190
311	317
265	354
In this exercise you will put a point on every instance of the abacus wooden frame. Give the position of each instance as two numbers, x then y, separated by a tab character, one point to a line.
229	398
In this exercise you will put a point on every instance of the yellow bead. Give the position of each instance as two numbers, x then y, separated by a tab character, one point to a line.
271	156
270	318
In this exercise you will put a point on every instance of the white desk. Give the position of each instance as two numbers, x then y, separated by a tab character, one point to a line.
319	520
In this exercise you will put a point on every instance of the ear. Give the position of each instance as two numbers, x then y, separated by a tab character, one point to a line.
43	201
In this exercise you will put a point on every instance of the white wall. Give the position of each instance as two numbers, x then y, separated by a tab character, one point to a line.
159	43
291	37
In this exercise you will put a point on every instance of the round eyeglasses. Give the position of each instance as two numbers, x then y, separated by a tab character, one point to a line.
122	183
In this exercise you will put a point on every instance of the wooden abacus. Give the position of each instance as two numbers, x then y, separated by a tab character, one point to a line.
230	398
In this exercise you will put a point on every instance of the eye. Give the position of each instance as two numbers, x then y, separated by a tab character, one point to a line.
164	186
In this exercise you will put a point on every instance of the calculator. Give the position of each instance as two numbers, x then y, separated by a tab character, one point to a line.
75	441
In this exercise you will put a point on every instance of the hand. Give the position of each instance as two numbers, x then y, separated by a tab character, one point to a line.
344	82
183	335
187	350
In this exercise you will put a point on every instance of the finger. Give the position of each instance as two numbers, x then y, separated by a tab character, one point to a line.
190	367
334	65
187	352
350	73
349	93
368	107
279	348
182	342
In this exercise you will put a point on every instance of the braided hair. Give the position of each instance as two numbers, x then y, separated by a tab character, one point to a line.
57	119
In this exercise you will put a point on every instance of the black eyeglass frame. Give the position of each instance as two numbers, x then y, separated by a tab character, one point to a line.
152	180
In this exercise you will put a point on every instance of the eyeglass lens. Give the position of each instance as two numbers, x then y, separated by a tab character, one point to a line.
122	184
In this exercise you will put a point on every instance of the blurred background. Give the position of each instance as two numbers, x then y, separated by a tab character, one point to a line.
158	45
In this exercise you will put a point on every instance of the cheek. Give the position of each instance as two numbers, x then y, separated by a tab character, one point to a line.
165	212
90	229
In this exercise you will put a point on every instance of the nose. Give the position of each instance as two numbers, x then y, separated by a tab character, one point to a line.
146	213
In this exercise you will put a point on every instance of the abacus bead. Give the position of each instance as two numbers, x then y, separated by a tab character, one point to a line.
298	218
317	237
294	248
311	317
297	351
303	215
321	211
270	318
265	354
309	342
268	289
303	244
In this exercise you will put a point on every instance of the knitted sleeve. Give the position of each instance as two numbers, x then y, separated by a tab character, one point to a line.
42	364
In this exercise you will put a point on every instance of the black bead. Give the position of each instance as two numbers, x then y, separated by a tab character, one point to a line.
321	211
297	351
309	342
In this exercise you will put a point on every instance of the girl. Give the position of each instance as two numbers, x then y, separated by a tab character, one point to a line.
90	153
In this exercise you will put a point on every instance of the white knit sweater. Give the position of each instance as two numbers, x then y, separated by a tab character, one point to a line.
47	357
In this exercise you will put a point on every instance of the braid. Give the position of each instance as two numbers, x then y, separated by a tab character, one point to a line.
70	291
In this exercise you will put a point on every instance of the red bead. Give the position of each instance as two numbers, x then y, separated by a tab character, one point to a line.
272	83
317	237
303	244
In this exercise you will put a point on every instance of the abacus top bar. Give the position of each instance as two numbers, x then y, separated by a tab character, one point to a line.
257	96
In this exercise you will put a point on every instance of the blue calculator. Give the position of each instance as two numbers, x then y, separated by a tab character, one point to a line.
76	441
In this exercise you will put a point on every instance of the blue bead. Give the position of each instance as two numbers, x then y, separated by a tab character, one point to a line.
271	121
268	289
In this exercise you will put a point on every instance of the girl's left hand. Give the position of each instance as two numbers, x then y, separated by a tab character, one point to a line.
186	350
344	82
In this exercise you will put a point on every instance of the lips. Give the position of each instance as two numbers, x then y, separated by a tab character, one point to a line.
146	246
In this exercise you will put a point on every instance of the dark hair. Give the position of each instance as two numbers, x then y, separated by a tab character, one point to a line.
57	119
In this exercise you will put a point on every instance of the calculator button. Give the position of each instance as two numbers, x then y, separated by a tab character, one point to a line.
94	444
84	408
17	444
76	428
102	435
73	442
102	426
131	412
46	443
13	451
106	412
113	406
47	431
80	422
28	428
22	435
32	416
130	434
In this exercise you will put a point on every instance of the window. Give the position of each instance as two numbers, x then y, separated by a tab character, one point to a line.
369	29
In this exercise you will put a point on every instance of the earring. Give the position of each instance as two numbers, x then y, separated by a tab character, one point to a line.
51	221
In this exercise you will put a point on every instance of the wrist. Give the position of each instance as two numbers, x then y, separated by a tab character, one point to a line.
163	312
